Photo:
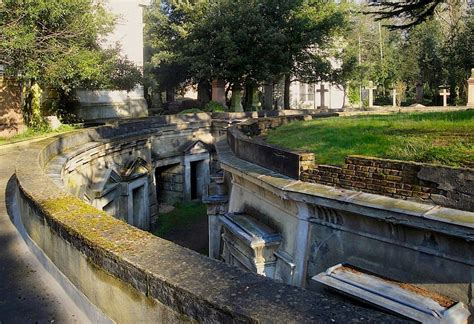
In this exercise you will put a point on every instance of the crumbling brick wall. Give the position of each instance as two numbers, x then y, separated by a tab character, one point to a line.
398	179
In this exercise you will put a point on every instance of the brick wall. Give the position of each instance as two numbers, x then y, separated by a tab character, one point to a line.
396	179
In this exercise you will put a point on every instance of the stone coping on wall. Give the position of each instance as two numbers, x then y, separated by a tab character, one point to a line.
452	222
241	138
197	287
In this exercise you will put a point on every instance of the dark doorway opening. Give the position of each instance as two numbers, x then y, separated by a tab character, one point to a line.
194	181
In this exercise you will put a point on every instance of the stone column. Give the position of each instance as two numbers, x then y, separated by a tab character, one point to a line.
256	105
236	99
301	245
215	210
394	97
419	92
218	91
470	90
268	96
217	206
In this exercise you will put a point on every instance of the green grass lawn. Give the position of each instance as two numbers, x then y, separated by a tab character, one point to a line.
183	214
440	138
31	134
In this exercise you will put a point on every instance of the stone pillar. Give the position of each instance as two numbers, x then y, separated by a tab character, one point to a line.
419	92
301	246
218	91
256	105
217	206
268	96
236	99
371	89
170	95
470	90
215	210
394	97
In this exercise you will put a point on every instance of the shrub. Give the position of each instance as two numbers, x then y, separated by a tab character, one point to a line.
214	106
191	111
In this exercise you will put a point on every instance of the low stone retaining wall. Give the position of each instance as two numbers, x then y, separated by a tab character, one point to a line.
132	275
445	186
241	138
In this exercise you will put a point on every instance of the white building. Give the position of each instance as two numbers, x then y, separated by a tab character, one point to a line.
323	95
128	34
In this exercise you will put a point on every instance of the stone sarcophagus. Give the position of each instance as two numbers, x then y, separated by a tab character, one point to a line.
249	244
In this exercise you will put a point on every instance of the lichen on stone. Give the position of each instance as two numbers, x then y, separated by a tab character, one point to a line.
93	225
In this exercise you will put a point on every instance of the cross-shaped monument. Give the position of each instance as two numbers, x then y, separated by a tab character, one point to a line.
371	89
394	97
445	95
322	90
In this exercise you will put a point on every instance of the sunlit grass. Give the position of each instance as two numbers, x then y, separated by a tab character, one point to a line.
440	138
31	134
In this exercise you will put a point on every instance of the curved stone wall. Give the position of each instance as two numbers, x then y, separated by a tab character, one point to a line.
132	275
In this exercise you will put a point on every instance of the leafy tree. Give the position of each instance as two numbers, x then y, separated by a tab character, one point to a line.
244	42
167	27
412	12
56	45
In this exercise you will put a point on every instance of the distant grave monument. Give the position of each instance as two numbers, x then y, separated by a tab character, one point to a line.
371	89
236	99
394	97
218	91
444	93
322	90
419	92
470	90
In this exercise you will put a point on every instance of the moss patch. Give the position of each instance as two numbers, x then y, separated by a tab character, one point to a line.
95	226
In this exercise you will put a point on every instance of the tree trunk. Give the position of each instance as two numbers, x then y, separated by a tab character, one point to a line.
204	92
286	95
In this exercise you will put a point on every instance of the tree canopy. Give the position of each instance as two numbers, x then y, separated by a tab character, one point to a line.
56	44
434	53
242	42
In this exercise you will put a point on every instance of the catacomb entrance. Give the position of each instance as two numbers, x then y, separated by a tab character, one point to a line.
198	178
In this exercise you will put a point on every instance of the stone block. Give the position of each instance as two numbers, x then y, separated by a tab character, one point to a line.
393	178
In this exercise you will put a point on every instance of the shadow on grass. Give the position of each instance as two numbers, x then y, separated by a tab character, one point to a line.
185	225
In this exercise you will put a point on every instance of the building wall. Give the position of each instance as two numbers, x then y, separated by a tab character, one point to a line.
305	96
11	119
128	34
